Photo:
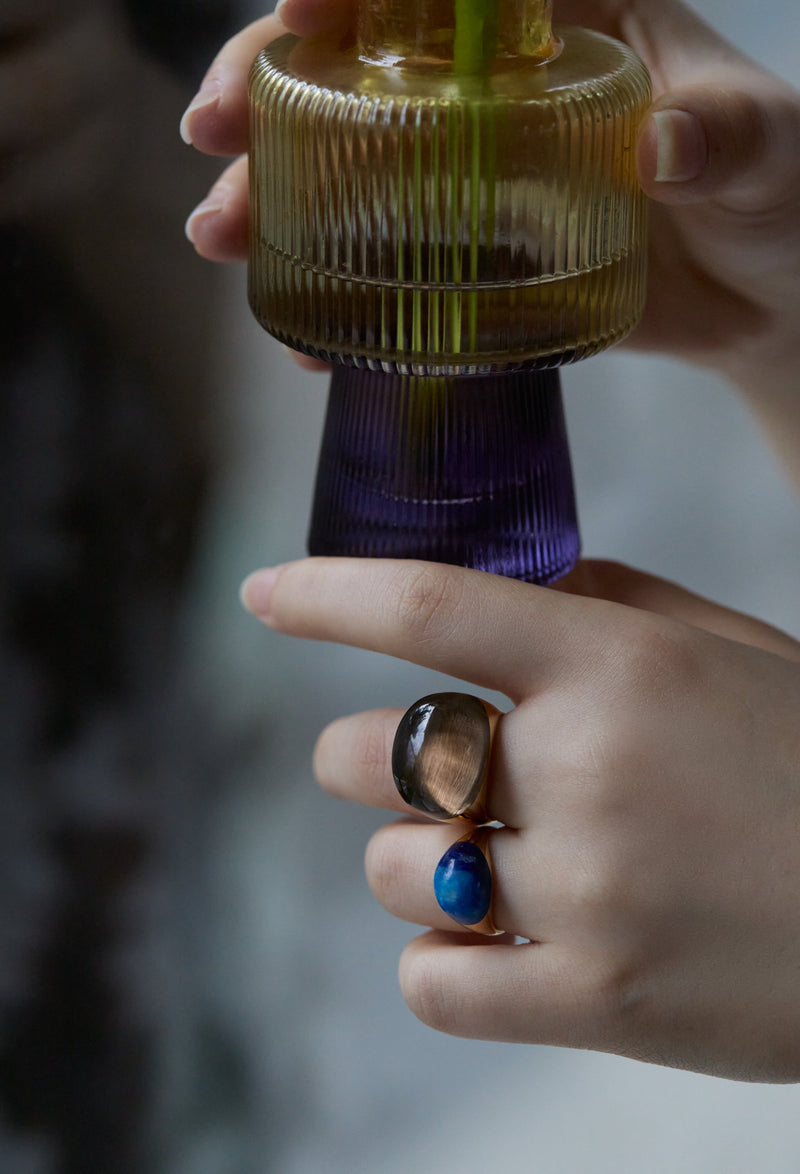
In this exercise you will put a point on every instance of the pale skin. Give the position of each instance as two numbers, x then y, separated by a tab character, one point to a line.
647	771
648	779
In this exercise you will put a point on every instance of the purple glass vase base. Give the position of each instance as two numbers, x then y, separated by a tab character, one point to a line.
470	470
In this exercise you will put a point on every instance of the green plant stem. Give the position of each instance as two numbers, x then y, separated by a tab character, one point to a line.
476	36
472	144
474	51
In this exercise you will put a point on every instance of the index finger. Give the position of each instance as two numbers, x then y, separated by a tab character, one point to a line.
216	120
494	632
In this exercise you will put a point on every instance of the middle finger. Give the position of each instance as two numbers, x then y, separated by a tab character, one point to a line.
353	761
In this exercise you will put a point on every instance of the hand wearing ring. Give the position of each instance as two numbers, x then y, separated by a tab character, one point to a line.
647	775
647	864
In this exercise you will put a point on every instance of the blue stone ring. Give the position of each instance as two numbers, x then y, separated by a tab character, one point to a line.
462	882
440	757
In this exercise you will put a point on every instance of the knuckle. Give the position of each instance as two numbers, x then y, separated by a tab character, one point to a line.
427	604
636	656
595	775
620	957
616	986
655	674
605	578
599	892
609	765
656	661
622	998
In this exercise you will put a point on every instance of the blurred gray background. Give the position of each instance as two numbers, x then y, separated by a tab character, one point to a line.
194	977
672	477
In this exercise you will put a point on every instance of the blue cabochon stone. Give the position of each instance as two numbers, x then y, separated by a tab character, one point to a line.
463	883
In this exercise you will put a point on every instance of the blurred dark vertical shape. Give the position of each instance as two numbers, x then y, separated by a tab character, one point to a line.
100	498
184	34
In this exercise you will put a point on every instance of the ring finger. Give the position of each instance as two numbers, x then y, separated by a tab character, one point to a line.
402	860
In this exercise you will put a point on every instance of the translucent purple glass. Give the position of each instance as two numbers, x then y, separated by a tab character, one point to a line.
467	470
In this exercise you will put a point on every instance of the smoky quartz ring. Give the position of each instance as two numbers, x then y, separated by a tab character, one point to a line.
441	753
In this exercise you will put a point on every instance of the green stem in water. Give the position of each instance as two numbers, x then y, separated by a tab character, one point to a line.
475	47
475	44
474	50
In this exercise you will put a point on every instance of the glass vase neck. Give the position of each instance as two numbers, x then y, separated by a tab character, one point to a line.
465	36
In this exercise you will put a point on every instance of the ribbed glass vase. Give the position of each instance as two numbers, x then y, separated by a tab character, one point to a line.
470	471
452	196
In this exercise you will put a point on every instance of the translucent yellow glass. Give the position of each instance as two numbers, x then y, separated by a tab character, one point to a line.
416	215
430	34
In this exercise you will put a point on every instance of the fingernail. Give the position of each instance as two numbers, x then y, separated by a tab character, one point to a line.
256	591
682	149
210	206
209	93
279	8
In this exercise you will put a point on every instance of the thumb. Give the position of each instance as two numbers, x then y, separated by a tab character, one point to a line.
733	142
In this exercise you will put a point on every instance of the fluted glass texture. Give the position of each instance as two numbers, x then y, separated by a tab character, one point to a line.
434	224
473	471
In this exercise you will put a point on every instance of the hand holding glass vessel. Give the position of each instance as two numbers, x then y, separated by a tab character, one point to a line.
448	209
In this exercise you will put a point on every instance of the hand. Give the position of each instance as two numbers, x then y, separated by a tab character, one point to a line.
648	778
69	80
718	157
